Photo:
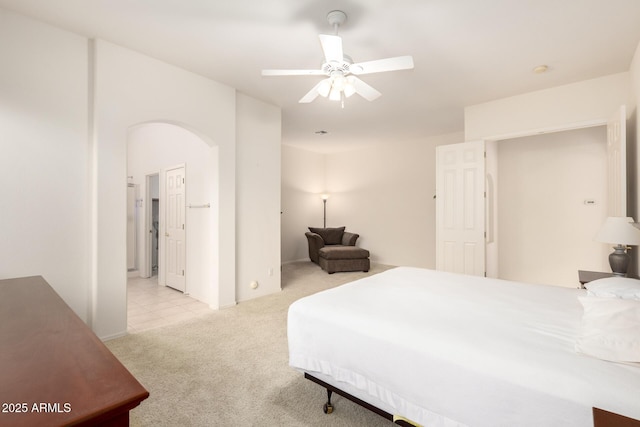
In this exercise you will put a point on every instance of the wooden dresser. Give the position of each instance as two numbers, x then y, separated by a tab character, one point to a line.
54	370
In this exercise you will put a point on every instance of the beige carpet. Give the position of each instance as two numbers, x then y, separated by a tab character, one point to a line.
231	367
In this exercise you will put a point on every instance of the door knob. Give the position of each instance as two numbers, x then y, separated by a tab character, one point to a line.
166	234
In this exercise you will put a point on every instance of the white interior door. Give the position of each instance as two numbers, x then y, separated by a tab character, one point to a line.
175	228
460	208
617	163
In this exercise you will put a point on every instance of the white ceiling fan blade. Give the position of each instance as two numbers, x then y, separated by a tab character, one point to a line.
364	90
381	65
313	93
332	48
293	73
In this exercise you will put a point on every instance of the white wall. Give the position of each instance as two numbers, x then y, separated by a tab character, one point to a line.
131	89
384	193
585	103
258	197
545	229
577	105
44	157
154	147
67	105
303	180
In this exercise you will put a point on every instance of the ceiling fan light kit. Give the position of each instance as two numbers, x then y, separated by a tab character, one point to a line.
340	70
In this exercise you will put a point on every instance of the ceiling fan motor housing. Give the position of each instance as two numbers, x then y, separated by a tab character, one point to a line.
343	67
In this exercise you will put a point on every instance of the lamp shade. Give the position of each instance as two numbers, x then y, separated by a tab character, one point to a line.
619	230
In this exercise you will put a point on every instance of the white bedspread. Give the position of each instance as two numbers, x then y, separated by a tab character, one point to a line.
451	350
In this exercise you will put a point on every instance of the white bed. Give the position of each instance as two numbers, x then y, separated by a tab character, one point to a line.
449	350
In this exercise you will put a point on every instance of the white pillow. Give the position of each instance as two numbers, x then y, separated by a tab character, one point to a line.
610	329
614	287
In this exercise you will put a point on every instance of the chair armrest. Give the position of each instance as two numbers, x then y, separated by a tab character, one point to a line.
315	244
316	238
349	239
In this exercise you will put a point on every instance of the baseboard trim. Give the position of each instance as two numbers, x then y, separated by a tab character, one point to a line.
114	336
296	260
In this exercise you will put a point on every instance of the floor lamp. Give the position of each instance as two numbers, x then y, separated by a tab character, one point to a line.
324	198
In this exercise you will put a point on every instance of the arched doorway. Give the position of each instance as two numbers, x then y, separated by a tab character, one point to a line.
153	148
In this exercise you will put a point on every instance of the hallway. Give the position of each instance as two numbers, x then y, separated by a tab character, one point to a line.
150	305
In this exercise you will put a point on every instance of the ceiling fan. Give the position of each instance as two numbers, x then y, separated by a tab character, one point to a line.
341	72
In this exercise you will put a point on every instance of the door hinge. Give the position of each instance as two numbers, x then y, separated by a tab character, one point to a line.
183	226
183	272
183	180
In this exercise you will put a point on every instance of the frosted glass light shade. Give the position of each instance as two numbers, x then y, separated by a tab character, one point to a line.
324	87
335	94
349	90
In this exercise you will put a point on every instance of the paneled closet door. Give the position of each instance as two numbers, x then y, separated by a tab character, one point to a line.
460	208
175	187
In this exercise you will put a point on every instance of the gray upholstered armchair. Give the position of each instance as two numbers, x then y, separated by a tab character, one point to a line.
334	250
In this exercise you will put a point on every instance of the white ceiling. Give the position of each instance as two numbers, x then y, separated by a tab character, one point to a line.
465	52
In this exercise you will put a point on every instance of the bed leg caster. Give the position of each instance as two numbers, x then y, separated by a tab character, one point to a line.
328	407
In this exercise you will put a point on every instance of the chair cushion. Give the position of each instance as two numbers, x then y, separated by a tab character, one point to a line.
343	252
331	236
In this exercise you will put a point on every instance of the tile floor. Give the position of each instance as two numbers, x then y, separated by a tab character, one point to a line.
150	305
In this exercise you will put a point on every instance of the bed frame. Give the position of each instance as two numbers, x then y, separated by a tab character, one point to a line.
328	407
601	418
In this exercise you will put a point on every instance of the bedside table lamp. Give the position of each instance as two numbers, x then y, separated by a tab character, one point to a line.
621	232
